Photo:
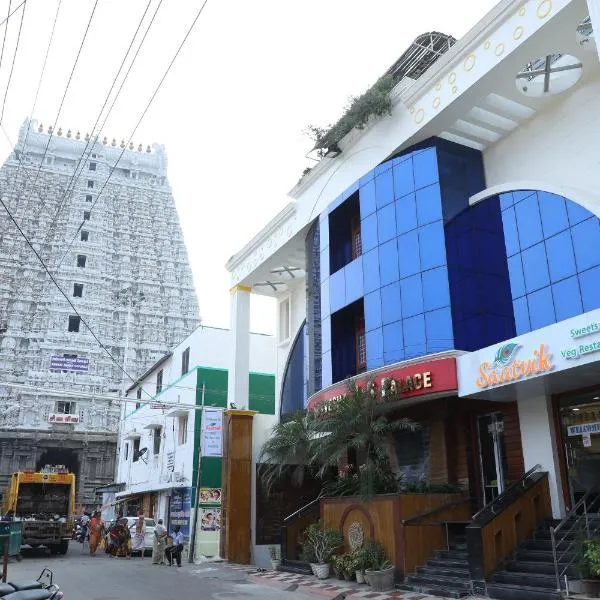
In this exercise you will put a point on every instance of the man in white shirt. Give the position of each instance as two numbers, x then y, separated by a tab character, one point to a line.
174	551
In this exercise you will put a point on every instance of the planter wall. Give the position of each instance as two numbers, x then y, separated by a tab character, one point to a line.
380	519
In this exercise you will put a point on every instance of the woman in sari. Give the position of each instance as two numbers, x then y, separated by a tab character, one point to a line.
139	536
96	532
119	540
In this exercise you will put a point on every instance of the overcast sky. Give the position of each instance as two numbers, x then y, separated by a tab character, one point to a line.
253	74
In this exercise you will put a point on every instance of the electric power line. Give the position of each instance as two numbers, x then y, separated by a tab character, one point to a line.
5	32
13	60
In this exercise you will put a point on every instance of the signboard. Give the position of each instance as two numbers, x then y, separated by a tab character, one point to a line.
212	432
210	519
46	478
64	363
417	379
170	461
61	418
181	503
210	495
558	347
583	429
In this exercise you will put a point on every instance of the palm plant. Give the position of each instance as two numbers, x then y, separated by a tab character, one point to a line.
357	424
288	448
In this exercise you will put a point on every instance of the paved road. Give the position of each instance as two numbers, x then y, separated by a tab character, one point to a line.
83	577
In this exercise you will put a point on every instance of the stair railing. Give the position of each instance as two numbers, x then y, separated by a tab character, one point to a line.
303	511
576	520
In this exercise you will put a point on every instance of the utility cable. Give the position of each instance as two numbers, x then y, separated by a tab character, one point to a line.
13	60
5	32
189	31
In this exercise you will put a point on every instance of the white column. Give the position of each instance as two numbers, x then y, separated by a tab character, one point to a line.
239	366
594	9
539	445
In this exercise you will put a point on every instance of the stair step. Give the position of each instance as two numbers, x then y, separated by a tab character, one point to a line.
440	580
452	554
448	563
433	590
540	568
444	571
531	579
538	545
541	556
503	591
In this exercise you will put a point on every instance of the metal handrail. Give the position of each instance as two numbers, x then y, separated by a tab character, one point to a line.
303	509
490	505
557	555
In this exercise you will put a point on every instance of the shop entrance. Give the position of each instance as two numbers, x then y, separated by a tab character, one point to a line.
492	454
580	423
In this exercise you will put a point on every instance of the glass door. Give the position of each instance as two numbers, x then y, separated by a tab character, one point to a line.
492	454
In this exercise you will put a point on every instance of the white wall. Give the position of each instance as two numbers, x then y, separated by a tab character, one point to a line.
539	445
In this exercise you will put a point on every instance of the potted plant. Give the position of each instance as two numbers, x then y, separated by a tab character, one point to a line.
589	566
361	562
323	543
337	564
380	573
348	566
275	558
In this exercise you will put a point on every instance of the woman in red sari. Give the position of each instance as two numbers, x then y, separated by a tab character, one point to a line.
96	531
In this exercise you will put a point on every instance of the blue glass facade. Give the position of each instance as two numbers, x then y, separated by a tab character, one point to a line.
437	274
293	391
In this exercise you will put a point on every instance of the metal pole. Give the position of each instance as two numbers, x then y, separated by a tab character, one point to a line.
198	482
554	555
587	522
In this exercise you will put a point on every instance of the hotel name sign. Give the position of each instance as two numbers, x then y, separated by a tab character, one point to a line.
555	348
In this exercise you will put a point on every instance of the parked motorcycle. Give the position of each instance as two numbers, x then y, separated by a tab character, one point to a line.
42	588
81	533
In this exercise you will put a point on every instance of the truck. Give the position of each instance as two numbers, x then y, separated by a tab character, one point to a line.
45	502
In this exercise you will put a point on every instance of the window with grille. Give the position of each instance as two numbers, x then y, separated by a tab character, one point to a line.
136	449
356	239
66	408
157	438
185	361
159	381
74	322
182	430
361	345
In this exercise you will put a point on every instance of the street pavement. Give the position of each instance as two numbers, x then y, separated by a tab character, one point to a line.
84	577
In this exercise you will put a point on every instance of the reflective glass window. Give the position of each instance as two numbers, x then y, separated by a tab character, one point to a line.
521	309
589	282
326	334
408	253
324	264
373	316
432	245
366	196
515	273
429	204
553	211
529	222
438	328
371	271
425	168
511	234
586	236
374	348
414	335
567	298
386	223
393	343
368	232
541	308
406	214
384	188
577	213
411	295
506	200
403	178
326	369
388	262
353	273
325	310
535	268
391	309
337	291
436	293
561	259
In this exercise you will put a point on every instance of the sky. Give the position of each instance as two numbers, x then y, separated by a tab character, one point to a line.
232	110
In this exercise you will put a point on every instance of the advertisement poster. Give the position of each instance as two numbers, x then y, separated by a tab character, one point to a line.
212	432
181	502
210	496
210	519
70	363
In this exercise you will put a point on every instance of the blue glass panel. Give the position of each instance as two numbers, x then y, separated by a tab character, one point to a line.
325	298
511	234
350	190
522	194
554	213
324	264
326	334
436	293
401	159
354	280
414	336
586	240
372	310
429	204
384	188
406	213
506	200
408	253
590	288
388	262
393	343
391	309
425	168
567	298
374	340
411	294
432	245
326	369
535	268
371	271
386	223
368	232
337	291
515	273
324	234
521	315
403	179
366	197
367	177
561	260
577	213
438	328
529	222
383	167
541	308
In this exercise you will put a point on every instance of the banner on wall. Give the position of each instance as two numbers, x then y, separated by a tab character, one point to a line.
181	504
210	519
210	496
212	432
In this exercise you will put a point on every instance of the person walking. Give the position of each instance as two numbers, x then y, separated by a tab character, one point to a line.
96	532
160	540
174	551
139	536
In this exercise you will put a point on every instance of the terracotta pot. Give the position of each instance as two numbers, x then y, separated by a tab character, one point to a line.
591	587
381	581
322	570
